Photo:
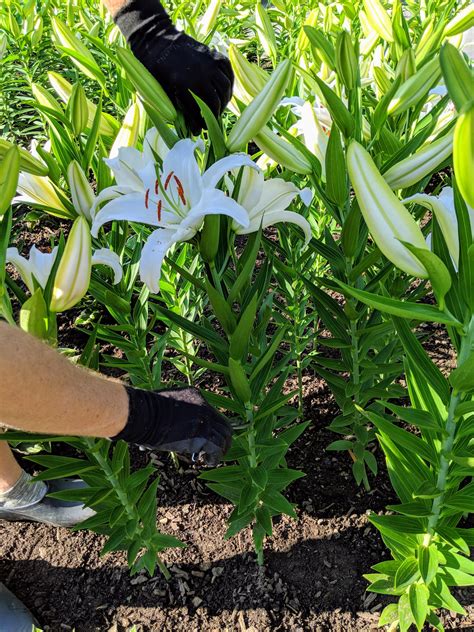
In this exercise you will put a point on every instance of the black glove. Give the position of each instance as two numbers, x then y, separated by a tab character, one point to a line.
176	420
179	63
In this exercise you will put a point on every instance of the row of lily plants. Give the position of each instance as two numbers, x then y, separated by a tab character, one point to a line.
316	226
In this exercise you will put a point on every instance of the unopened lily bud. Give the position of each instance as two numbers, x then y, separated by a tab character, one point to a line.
81	191
412	169
128	133
9	172
239	380
146	85
108	125
458	76
461	22
78	110
208	20
388	221
280	150
64	37
27	162
379	19
265	31
74	271
210	234
406	66
258	112
463	157
37	31
250	79
346	60
415	88
3	45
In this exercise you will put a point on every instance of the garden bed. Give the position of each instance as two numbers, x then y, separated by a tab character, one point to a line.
312	578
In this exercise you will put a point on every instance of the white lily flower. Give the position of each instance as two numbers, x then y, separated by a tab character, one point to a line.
38	265
267	201
442	206
174	198
40	191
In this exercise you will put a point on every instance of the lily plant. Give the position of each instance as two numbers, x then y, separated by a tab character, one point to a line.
168	189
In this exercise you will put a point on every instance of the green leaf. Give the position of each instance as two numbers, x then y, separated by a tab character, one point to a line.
276	501
240	339
464	408
438	273
462	378
420	418
418	596
213	129
445	598
389	615
404	309
34	316
339	112
238	524
426	490
416	509
405	616
402	437
428	562
341	444
454	537
221	308
407	573
264	519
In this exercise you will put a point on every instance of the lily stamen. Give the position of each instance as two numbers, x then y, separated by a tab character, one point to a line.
147	195
158	209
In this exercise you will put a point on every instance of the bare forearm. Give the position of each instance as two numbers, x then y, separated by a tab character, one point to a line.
114	5
42	391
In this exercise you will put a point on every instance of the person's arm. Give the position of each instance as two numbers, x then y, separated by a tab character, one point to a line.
42	391
180	63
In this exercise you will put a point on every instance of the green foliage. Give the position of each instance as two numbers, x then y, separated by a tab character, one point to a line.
252	312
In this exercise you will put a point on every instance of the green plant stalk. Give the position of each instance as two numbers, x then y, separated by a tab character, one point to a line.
123	498
251	436
447	446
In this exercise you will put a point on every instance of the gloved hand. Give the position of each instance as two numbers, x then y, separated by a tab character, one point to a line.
176	420
179	63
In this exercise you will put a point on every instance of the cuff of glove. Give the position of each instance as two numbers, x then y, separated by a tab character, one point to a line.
142	18
144	412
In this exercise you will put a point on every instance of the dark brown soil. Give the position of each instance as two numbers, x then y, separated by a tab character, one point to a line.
312	578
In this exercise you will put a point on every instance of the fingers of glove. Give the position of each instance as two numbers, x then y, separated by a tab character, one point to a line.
224	66
186	103
223	88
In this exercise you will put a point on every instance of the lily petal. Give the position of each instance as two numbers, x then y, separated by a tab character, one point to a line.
107	257
216	172
181	161
251	187
22	265
41	264
125	167
130	207
215	202
277	195
109	194
153	253
273	217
